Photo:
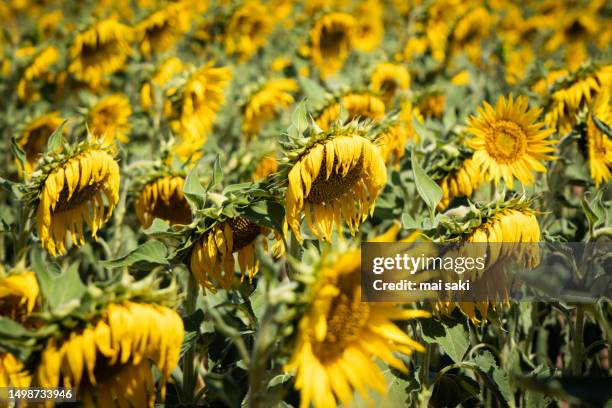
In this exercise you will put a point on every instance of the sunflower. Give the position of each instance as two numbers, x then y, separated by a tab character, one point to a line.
573	30
573	93
461	78
391	140
48	23
370	29
267	165
37	70
12	372
388	79
331	40
100	49
34	137
212	257
460	182
264	104
508	141
163	198
432	104
166	70
358	106
108	360
599	144
163	28
248	29
339	335
109	119
192	108
517	62
74	191
336	179
18	295
470	30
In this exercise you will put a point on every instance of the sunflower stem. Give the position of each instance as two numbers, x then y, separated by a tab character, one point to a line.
578	340
189	372
294	252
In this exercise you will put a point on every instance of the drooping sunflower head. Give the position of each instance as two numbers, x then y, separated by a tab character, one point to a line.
12	371
18	295
109	119
99	50
39	69
266	166
509	142
78	186
163	28
162	197
163	74
248	29
431	104
264	104
598	142
391	138
339	335
388	79
334	180
331	40
358	106
34	138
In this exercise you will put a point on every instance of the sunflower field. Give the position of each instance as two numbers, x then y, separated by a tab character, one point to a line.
185	186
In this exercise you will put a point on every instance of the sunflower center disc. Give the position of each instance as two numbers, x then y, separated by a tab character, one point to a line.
78	197
244	232
506	141
327	190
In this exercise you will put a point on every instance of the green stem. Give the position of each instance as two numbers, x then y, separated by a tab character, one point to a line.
295	253
578	340
189	372
426	364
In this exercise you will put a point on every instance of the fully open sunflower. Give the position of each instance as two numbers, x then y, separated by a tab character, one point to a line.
163	198
388	79
35	135
331	40
167	69
75	187
108	360
509	142
248	29
99	50
163	28
109	119
358	105
264	104
339	335
599	144
37	70
335	180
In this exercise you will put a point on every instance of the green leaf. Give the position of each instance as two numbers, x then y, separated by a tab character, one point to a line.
56	138
593	209
217	175
603	127
150	253
299	118
408	222
487	365
428	189
194	192
58	288
422	131
18	152
451	336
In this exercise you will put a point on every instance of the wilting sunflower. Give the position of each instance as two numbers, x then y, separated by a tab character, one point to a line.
192	108
432	104
509	143
18	295
331	40
48	23
109	119
599	144
358	105
370	29
391	139
13	372
573	30
248	29
470	30
163	198
264	104
79	187
99	50
460	182
163	28
388	79
212	257
37	70
267	165
108	360
34	137
339	335
166	70
335	180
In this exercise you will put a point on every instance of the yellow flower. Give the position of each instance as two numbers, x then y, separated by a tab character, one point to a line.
18	295
370	29
573	30
335	181
516	64
357	105
48	23
163	28
201	97
392	138
432	106
508	141
267	165
461	182
212	257
38	69
599	144
166	70
264	104
461	78
280	63
109	360
163	198
99	50
388	79
12	372
248	29
34	138
339	335
543	86
75	192
109	119
470	30
331	40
